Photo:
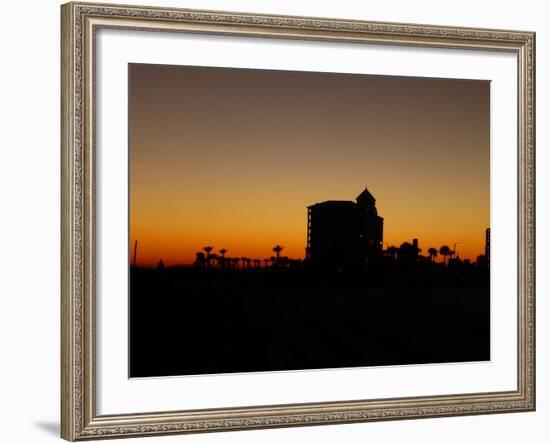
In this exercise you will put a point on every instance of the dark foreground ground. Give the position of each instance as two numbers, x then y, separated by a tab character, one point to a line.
187	321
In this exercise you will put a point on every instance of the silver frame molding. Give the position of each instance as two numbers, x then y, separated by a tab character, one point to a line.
79	22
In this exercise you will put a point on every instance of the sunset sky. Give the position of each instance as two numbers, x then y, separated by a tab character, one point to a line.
231	158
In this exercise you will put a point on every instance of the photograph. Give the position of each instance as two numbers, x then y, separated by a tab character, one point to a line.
293	220
275	218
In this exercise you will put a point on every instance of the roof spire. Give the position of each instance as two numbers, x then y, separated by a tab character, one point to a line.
365	199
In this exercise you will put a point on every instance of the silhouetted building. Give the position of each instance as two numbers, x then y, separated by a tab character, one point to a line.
343	234
488	245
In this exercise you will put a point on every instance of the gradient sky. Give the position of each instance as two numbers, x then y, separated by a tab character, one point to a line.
231	158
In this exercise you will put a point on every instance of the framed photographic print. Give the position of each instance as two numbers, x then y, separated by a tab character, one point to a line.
281	221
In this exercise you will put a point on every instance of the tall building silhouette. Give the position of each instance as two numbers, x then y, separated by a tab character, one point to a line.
488	245
344	234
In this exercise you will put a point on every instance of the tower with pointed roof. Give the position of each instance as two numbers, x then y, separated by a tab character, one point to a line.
366	199
371	224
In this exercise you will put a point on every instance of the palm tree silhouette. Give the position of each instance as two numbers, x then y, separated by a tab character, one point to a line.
208	250
213	259
277	250
266	262
432	252
222	251
200	260
445	251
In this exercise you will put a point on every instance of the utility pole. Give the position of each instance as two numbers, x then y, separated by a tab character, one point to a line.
454	249
135	253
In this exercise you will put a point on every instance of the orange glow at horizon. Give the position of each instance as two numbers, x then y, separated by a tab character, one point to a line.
231	158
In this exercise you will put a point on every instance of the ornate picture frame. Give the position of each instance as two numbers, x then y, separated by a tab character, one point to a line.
79	418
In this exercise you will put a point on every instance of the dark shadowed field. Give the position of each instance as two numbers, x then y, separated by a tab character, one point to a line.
190	321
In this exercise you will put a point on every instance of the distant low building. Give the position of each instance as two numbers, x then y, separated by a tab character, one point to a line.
343	234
